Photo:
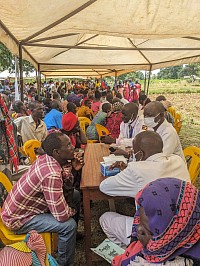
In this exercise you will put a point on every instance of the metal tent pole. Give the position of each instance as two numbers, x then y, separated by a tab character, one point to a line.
145	81
21	73
39	81
149	78
115	79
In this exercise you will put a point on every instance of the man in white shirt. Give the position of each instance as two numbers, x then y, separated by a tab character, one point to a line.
151	163
32	126
131	125
154	118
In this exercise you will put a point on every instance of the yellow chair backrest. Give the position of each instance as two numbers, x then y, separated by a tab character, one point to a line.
7	236
178	123
5	182
194	168
29	147
84	121
6	187
101	130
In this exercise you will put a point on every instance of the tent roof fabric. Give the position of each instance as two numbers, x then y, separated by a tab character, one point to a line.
100	37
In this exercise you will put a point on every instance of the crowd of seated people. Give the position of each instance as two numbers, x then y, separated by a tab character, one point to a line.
156	174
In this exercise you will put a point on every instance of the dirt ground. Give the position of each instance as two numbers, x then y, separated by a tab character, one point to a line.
188	106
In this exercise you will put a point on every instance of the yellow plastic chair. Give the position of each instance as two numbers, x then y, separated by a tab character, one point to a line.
84	122
178	123
7	236
92	141
193	153
101	130
29	149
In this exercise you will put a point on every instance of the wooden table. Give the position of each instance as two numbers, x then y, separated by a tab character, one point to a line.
91	178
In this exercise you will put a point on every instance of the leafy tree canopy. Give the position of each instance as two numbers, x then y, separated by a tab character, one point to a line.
131	75
7	61
177	72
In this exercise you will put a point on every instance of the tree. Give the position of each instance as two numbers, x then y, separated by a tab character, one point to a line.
131	75
179	71
190	69
170	72
7	61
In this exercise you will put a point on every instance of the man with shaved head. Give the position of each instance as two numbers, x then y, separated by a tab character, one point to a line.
131	125
149	163
154	119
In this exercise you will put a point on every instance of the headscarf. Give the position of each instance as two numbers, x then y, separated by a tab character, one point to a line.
173	210
69	121
74	98
117	106
9	134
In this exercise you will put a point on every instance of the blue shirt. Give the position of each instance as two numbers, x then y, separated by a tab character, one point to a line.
53	119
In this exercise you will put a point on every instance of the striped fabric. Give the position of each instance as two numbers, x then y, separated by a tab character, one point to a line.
32	252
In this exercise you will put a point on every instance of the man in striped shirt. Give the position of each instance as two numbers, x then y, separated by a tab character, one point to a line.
39	200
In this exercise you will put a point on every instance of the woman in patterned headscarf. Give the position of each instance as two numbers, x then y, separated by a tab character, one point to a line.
166	225
115	118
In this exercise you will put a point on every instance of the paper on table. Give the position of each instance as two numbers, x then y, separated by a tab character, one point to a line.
114	158
108	250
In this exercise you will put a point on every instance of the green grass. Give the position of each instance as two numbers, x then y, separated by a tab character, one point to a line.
173	91
173	86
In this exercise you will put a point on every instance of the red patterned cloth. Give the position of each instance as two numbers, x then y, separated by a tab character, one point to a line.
12	147
113	124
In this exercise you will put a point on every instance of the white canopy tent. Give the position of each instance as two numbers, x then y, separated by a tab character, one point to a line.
100	37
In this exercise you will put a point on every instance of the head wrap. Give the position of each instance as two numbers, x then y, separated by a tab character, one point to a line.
69	121
74	98
117	106
173	210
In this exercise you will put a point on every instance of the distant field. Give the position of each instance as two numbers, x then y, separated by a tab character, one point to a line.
173	86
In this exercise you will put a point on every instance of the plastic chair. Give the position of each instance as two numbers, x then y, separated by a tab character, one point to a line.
101	130
29	148
194	158
84	121
7	236
92	141
178	123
